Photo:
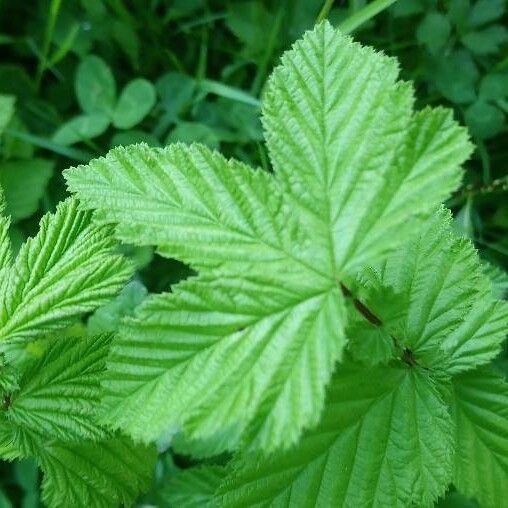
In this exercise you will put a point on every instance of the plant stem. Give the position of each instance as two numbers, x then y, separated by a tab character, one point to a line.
54	9
363	15
325	10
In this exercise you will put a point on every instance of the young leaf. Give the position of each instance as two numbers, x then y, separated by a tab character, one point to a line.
385	439
135	102
67	269
358	171
439	305
480	410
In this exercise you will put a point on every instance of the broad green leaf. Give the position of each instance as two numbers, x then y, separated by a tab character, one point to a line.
66	270
95	86
246	354
349	150
439	305
355	171
24	183
59	393
480	410
385	439
81	128
192	203
193	488
135	102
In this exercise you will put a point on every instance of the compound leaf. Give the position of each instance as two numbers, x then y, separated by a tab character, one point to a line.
247	348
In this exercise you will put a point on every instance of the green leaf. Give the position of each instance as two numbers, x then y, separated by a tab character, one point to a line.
66	270
193	203
385	439
81	128
193	488
244	21
24	183
484	120
440	306
135	102
350	152
434	31
455	76
105	473
480	410
200	350
486	11
59	393
95	86
486	41
246	348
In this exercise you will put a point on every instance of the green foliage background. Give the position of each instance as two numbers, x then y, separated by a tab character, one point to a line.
88	75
